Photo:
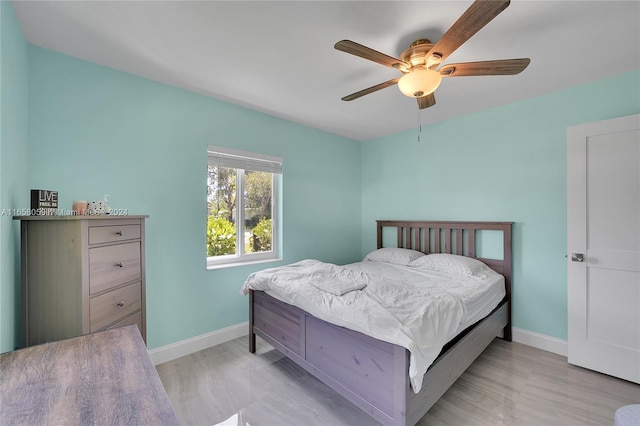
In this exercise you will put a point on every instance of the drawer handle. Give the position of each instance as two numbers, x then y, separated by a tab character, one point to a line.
119	265
119	233
121	303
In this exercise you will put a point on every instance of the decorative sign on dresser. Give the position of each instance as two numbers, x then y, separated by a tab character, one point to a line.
44	202
81	274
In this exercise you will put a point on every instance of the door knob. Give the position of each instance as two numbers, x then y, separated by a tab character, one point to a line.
577	257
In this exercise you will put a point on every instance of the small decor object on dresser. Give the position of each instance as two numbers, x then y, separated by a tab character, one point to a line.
79	208
99	207
44	202
96	208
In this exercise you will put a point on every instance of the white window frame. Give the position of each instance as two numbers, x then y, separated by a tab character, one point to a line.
241	161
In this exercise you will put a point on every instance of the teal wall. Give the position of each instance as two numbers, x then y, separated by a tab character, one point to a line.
503	164
92	131
13	167
96	131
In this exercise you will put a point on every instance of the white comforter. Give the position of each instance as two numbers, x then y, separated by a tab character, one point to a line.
421	318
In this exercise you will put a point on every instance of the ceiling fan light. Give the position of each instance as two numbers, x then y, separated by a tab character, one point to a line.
419	82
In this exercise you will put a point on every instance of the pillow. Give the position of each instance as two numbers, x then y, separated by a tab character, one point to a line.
398	256
453	264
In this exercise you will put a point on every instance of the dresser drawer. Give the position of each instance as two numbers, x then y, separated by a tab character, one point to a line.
109	234
115	305
133	319
110	266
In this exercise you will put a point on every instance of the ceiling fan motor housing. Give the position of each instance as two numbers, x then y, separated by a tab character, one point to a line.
417	53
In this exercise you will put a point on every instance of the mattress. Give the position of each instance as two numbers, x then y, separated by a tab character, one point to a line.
420	310
479	296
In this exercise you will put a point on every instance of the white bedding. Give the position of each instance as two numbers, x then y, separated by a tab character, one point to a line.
416	309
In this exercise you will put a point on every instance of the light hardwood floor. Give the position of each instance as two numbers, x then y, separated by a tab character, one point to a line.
509	384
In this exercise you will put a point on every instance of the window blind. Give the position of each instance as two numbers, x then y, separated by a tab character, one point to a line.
235	159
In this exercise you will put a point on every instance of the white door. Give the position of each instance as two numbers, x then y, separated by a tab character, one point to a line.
603	236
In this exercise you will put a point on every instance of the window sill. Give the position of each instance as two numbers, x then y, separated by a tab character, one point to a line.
240	263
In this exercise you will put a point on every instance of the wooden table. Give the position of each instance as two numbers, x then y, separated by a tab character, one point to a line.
101	378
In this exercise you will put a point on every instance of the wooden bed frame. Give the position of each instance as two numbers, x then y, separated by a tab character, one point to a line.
371	373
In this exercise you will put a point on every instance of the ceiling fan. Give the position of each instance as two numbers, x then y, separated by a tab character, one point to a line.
420	63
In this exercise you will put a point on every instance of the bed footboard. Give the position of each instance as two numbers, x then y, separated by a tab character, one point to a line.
370	373
358	367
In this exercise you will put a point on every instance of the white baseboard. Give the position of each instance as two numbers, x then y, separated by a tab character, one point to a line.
540	341
198	343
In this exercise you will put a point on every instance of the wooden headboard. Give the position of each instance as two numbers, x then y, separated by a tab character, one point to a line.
454	238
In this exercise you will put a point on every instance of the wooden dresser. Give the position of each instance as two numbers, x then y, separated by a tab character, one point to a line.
81	274
104	378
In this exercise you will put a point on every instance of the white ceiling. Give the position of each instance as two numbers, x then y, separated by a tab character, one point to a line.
278	57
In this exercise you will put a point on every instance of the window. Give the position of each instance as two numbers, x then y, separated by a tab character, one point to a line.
242	201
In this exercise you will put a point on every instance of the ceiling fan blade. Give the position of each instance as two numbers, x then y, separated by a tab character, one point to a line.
479	14
498	67
370	54
371	89
426	101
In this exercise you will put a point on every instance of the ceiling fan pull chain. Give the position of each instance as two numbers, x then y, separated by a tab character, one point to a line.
419	126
